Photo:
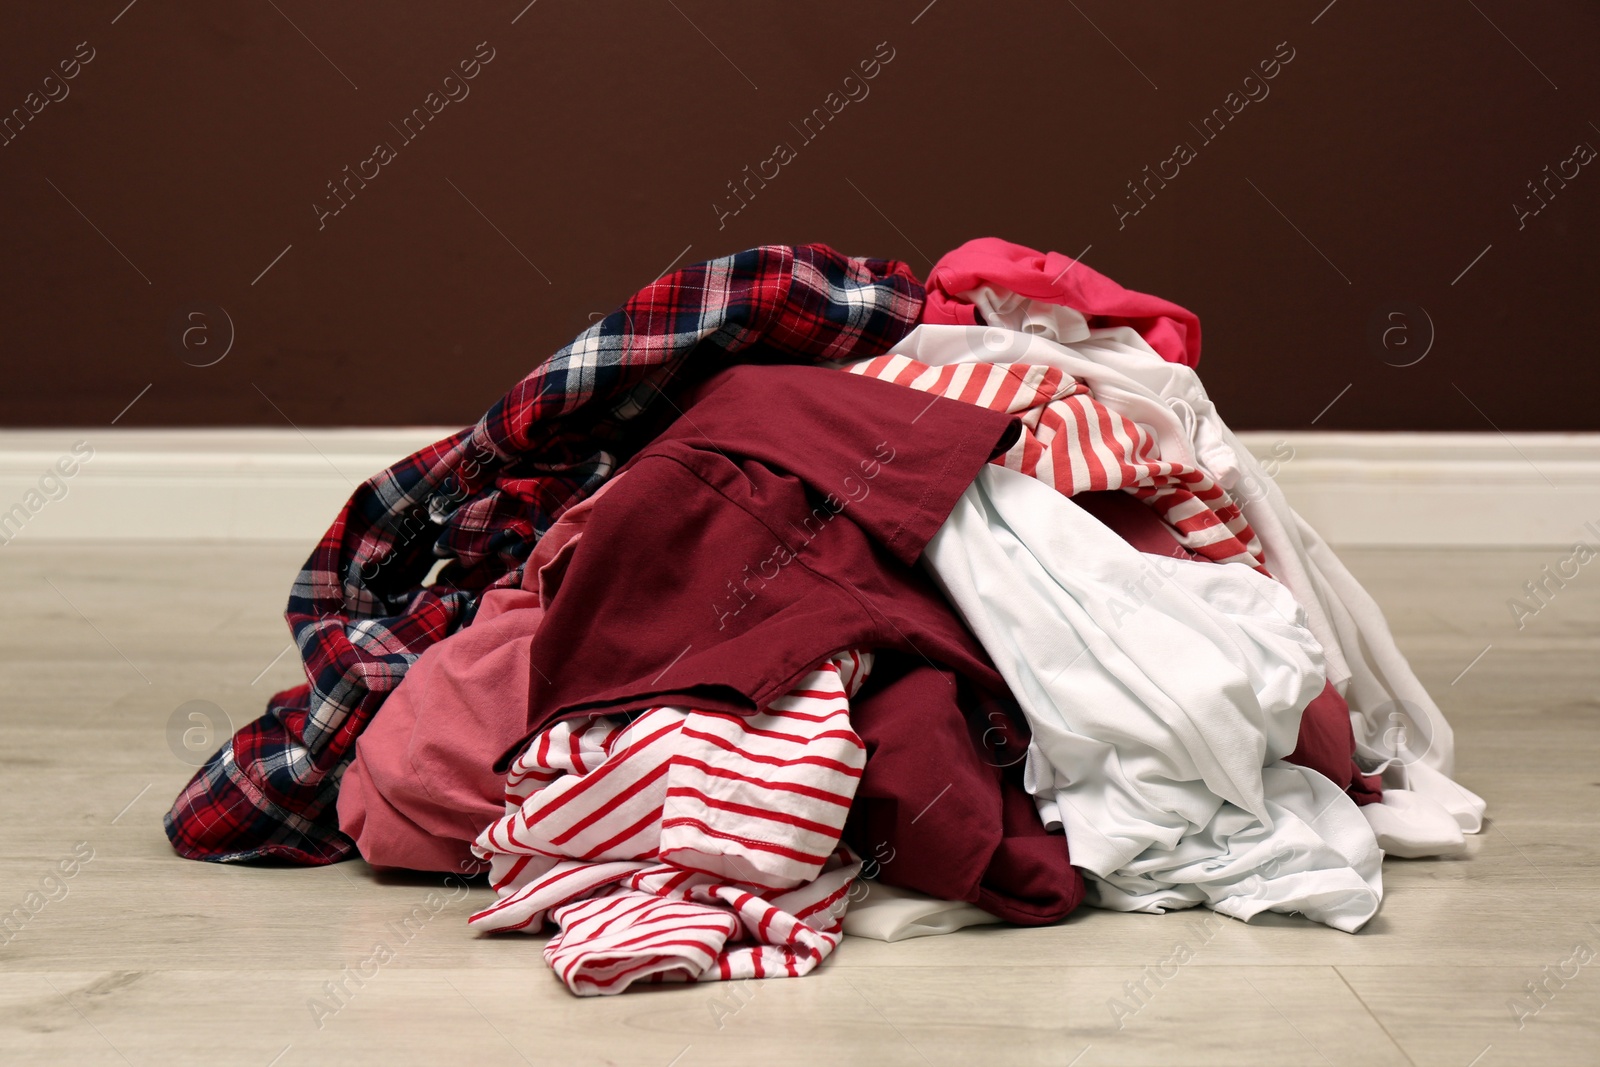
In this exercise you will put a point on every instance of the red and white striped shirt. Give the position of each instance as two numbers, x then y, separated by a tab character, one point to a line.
683	845
1075	443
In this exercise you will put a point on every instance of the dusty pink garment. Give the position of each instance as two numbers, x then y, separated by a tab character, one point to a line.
1057	279
422	784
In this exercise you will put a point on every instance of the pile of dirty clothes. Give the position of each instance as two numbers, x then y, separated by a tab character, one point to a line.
798	597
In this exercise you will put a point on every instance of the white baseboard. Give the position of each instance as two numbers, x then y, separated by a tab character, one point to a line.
196	485
1528	489
252	485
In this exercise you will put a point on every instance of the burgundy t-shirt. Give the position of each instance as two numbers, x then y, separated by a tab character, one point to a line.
775	523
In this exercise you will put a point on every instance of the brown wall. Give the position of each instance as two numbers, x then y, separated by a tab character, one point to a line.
191	148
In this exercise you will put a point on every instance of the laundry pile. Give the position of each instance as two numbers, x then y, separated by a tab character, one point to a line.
796	598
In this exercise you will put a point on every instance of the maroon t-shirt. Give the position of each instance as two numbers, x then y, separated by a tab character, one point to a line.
775	523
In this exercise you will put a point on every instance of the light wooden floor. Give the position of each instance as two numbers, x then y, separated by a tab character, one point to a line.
149	959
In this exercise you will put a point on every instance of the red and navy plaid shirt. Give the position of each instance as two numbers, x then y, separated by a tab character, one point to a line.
480	499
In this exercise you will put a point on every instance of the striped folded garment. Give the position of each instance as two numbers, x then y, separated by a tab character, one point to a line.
683	845
1077	444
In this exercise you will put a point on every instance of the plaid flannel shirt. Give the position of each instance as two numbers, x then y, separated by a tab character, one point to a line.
480	499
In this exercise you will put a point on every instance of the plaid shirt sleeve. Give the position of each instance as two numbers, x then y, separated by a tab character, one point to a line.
480	499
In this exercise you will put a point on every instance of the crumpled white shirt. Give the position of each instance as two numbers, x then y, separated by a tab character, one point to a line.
1162	695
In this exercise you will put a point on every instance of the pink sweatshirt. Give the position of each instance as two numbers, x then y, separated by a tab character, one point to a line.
1057	279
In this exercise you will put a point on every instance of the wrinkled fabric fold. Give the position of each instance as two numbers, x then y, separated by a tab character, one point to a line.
683	845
